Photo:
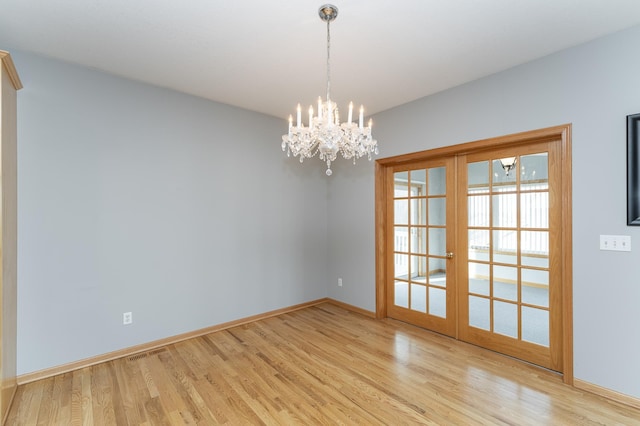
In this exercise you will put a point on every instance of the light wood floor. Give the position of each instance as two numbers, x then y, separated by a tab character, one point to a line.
319	365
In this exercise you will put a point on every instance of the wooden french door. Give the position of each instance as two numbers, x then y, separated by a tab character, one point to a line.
423	291
475	243
509	264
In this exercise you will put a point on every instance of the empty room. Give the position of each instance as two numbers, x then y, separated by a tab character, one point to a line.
363	212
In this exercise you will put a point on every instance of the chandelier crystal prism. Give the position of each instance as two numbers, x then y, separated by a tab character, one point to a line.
325	134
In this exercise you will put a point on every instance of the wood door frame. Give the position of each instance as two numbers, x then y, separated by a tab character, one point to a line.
384	181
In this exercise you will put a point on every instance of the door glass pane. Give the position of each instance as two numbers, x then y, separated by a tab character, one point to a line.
438	302
534	248
401	239
418	211
505	282
437	211
419	240
401	266
401	212
419	298
535	287
505	244
401	191
478	210
534	210
534	171
479	244
419	183
418	268
505	210
437	271
500	180
505	318
401	177
437	241
401	294
437	181
535	325
479	278
478	177
479	314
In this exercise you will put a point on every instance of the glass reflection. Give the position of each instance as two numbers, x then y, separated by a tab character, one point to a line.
419	182
505	245
505	211
479	313
478	210
505	318
418	268
534	210
535	326
505	282
401	184
418	211
437	241
438	271
437	181
500	180
401	294
534	171
535	287
401	266
419	240
437	302
479	278
419	298
534	248
401	212
437	211
478	177
478	244
401	239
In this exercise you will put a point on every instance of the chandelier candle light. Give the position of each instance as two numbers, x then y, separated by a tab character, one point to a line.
325	134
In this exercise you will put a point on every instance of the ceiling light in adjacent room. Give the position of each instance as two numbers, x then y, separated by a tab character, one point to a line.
508	163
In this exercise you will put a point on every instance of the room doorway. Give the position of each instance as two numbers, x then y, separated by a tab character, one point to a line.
473	241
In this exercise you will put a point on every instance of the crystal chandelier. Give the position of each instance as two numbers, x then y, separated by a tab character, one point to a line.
325	134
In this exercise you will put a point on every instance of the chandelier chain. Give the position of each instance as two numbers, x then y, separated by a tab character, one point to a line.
328	60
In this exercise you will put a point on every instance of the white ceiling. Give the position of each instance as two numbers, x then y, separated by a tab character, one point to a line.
268	56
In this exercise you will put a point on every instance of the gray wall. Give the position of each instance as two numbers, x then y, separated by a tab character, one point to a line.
136	198
594	86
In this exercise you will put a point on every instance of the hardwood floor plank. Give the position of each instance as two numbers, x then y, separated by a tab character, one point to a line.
61	398
318	365
46	407
34	405
81	403
125	379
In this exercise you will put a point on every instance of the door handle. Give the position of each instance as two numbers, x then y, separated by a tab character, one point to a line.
449	255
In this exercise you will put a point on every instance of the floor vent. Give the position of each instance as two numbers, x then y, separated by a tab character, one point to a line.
146	354
137	357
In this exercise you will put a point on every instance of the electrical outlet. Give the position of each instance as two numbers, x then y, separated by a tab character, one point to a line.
127	318
339	282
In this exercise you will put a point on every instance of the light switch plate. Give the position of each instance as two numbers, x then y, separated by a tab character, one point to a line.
615	242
